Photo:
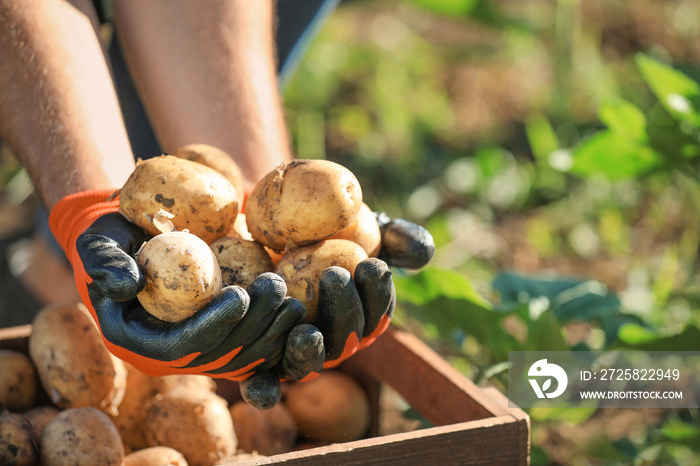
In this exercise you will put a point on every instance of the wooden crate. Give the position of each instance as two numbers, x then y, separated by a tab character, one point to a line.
472	425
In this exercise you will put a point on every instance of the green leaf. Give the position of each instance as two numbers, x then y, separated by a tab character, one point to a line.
545	334
431	283
610	154
678	93
540	134
635	336
448	7
624	119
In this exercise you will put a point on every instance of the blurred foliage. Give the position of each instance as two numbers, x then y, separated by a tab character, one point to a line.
552	148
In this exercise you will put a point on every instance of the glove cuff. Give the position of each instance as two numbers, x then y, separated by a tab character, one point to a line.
76	212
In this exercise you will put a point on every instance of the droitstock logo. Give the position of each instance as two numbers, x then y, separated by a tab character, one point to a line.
542	369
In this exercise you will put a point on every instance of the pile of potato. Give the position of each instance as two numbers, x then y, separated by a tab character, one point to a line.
304	216
70	402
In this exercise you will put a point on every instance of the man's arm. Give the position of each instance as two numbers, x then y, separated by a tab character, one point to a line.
206	73
58	109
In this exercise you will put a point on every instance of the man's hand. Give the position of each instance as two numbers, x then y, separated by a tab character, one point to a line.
237	334
355	310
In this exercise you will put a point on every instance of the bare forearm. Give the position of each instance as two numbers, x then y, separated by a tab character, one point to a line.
58	111
206	72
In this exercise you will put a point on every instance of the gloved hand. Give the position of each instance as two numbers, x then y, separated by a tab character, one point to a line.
354	311
238	333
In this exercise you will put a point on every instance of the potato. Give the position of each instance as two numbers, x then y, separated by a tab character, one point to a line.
241	261
363	231
217	159
81	436
155	456
301	268
196	423
182	275
39	417
268	432
18	444
73	364
18	381
140	388
331	408
192	381
200	199
302	202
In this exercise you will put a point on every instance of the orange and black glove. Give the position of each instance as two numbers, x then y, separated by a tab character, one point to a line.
237	334
354	311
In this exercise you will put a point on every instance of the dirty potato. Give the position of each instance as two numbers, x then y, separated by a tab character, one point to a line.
200	199
73	364
217	159
269	432
196	423
363	231
301	268
39	417
301	202
81	436
241	261
18	444
182	275
18	381
331	408
155	456
140	388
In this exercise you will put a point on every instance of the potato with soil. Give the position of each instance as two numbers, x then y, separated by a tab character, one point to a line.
155	456
217	159
331	408
80	436
301	268
182	275
302	202
201	200
140	388
196	423
18	381
363	231
40	416
18	443
241	261
268	432
73	364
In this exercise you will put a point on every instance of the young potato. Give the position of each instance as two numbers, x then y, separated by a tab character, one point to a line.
192	381
331	408
201	200
302	202
301	268
39	417
18	381
155	456
140	388
73	364
268	432
363	231
18	444
182	275
241	261
196	423
217	159
81	436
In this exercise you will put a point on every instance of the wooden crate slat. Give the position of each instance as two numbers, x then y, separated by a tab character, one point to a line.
478	442
424	379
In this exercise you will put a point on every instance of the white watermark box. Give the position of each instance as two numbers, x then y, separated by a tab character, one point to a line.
606	379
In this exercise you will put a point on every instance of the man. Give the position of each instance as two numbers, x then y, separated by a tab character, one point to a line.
206	72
